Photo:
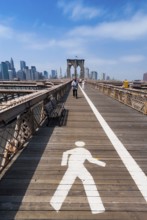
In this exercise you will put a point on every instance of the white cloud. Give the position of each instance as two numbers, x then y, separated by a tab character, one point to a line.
70	42
121	30
5	32
63	44
101	62
41	45
76	10
38	24
132	58
8	32
24	37
32	41
80	12
92	61
128	9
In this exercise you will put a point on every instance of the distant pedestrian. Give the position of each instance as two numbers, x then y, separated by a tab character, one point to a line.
83	83
74	85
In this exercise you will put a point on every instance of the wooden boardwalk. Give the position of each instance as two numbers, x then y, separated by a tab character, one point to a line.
28	186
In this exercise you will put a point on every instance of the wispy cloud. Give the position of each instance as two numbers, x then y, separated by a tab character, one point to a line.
132	58
33	41
5	31
7	20
76	10
39	24
131	29
24	37
38	45
128	9
101	61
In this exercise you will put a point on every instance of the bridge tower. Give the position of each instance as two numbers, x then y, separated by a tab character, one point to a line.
75	63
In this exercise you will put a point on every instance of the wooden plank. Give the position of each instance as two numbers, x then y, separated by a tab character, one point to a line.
70	215
77	206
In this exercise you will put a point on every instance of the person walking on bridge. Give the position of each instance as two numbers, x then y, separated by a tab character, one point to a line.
74	85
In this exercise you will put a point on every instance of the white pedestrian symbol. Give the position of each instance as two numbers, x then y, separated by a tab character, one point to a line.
75	159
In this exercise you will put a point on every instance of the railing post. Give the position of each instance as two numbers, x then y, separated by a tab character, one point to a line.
145	107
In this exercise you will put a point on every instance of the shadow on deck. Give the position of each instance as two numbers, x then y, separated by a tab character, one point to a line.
20	173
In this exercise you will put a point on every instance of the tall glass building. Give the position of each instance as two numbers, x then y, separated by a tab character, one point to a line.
4	71
22	64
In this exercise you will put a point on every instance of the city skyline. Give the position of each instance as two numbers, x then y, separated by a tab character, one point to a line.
9	72
109	35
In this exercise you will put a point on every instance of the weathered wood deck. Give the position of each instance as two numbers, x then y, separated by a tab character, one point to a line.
28	186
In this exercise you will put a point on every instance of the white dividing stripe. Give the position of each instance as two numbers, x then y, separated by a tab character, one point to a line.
133	168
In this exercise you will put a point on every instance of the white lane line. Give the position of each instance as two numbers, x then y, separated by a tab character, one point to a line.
133	168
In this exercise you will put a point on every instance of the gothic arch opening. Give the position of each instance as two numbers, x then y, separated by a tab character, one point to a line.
72	71
75	63
78	71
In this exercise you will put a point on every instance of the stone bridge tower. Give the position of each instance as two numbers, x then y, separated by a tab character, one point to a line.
75	63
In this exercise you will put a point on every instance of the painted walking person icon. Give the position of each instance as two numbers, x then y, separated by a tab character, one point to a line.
75	159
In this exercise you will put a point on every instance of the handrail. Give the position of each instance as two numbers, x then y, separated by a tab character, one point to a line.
22	103
22	118
137	99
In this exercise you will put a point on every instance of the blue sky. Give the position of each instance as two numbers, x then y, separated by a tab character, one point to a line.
111	35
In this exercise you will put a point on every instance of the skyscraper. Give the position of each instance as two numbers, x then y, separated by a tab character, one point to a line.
27	72
103	76
145	76
45	74
4	71
53	74
86	73
12	64
8	65
22	64
94	75
12	68
33	72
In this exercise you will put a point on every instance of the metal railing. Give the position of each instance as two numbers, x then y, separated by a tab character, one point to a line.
137	99
21	118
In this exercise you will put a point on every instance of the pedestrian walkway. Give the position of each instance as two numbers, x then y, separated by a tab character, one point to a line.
29	190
